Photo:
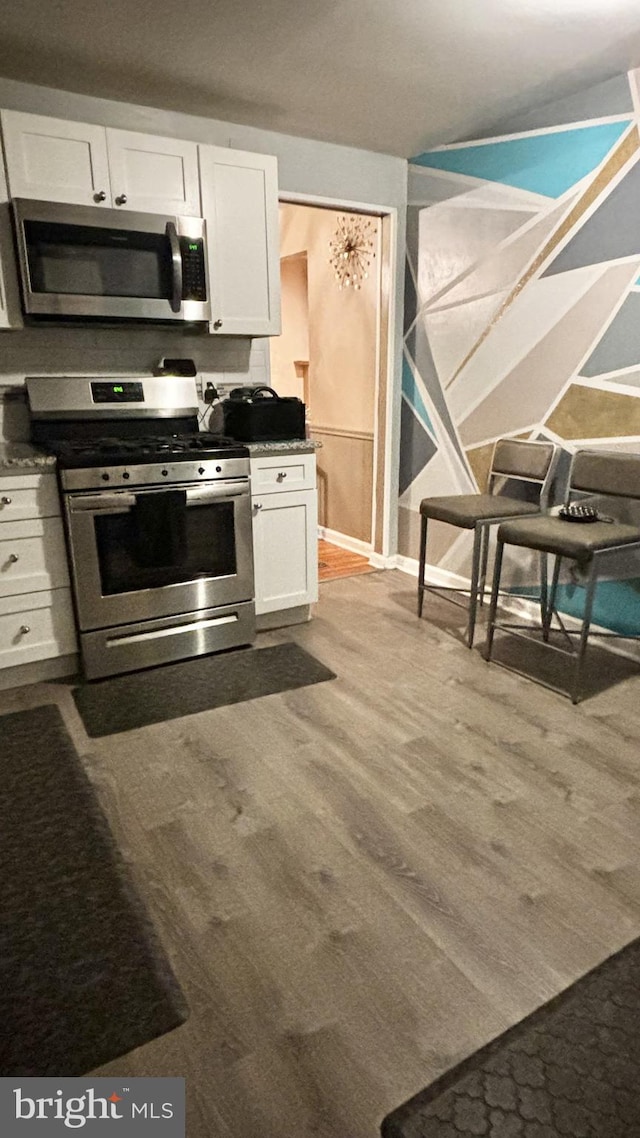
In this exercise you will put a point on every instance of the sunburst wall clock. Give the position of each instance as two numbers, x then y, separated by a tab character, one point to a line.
352	251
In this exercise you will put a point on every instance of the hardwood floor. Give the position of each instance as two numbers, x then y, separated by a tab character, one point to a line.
362	881
334	562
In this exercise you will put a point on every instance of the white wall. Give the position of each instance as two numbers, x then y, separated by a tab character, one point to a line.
317	171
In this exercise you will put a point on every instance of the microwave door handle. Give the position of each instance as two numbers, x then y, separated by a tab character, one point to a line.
176	267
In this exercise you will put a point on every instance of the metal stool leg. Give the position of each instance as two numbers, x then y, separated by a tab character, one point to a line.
486	530
423	558
547	615
478	542
584	635
497	570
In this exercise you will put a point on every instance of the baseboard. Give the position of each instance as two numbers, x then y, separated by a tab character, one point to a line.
433	575
283	618
353	544
39	672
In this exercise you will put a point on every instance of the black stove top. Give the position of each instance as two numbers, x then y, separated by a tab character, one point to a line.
107	451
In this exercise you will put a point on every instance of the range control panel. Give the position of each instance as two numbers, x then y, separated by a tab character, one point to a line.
125	392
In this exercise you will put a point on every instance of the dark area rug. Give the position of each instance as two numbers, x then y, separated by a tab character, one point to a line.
569	1070
200	684
83	978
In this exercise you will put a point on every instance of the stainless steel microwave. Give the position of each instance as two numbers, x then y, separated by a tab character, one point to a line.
87	264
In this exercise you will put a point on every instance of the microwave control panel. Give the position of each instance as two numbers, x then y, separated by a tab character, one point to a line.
194	283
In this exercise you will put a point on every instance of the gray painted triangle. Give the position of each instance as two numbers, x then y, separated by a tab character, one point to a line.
611	233
417	448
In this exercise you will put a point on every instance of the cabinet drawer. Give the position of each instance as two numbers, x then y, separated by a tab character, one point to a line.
289	472
35	627
32	556
28	496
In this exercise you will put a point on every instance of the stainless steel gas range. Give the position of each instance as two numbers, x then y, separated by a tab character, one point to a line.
158	519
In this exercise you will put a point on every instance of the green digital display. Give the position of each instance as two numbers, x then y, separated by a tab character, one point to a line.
193	246
118	388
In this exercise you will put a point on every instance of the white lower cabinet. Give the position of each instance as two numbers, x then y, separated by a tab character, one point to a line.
285	534
32	556
36	626
36	612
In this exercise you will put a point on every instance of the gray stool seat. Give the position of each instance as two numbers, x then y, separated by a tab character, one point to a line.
578	541
517	466
466	510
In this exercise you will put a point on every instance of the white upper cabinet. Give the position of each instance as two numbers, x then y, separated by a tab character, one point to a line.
152	174
55	160
240	207
10	313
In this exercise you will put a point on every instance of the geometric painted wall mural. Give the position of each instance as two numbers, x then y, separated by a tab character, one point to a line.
522	309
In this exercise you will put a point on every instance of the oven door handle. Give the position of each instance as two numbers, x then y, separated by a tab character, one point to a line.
216	493
120	501
176	267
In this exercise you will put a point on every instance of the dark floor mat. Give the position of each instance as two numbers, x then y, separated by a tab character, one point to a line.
570	1070
83	978
200	684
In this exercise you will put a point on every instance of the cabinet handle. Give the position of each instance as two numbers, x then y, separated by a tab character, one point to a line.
217	324
258	506
24	629
281	474
13	557
121	199
100	196
6	501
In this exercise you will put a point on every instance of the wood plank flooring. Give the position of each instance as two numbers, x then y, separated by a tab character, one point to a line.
334	562
363	881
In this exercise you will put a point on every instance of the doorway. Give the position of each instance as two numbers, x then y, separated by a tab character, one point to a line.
329	356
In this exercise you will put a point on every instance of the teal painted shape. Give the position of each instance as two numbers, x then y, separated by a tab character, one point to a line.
413	396
547	163
616	604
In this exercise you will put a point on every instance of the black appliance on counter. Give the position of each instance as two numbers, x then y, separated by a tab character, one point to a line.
259	414
158	519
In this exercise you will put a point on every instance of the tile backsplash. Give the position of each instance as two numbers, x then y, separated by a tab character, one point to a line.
226	363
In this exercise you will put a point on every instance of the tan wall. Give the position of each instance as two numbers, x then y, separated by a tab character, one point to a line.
292	346
345	482
342	354
342	324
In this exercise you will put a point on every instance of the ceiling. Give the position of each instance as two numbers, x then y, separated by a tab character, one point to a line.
396	76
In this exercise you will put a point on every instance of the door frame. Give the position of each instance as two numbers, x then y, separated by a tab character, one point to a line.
386	430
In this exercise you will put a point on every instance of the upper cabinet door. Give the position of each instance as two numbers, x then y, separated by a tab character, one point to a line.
55	160
152	174
240	206
10	313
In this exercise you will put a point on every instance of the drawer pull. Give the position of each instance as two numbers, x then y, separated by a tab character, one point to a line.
258	506
281	474
6	501
13	557
24	629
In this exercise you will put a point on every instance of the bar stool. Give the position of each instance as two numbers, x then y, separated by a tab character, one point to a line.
515	462
590	547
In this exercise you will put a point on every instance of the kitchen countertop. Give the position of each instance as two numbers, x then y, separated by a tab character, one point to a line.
18	458
21	458
284	446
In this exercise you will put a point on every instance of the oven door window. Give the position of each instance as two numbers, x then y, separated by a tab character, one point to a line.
163	541
86	260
